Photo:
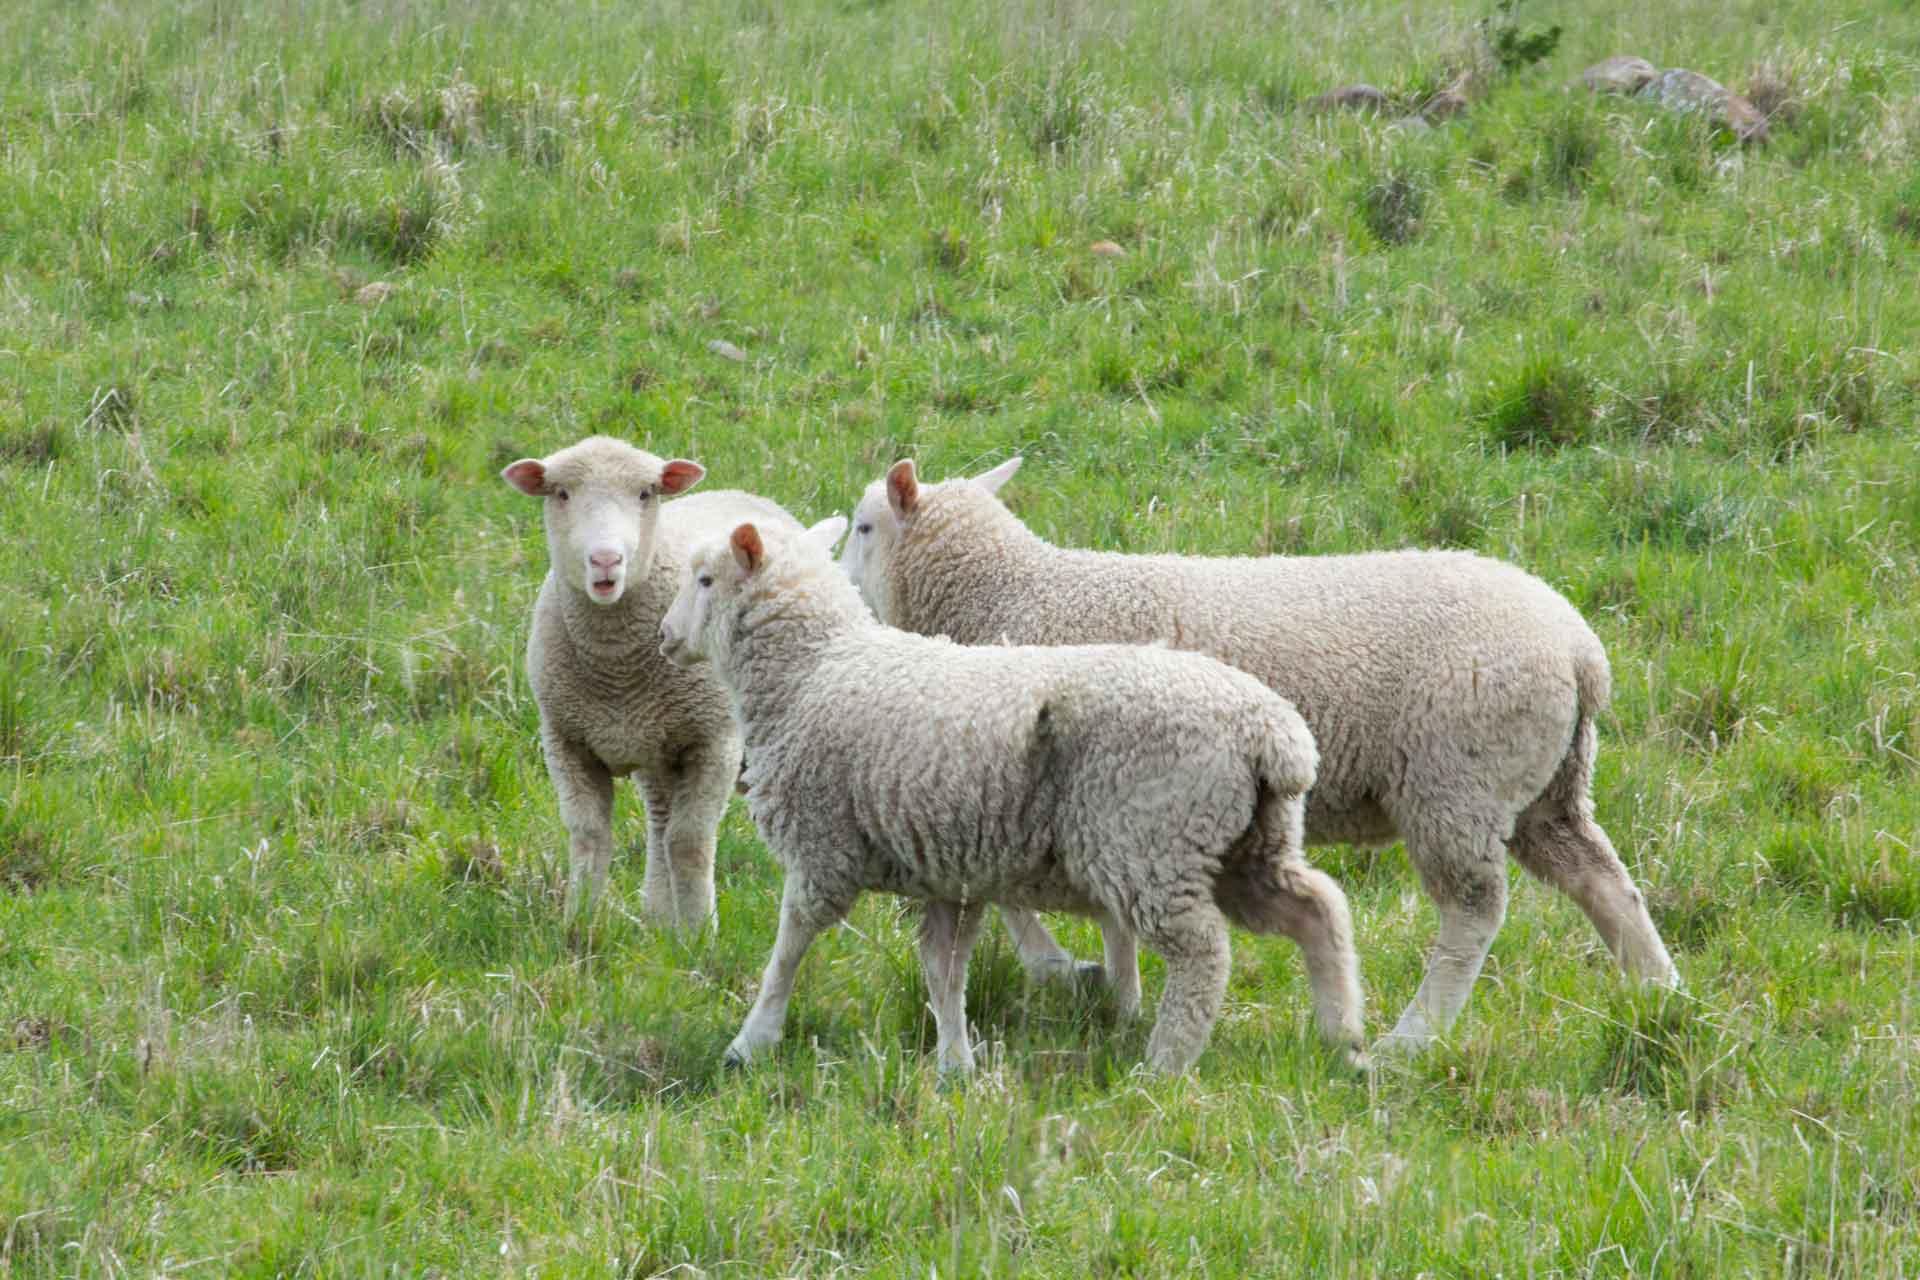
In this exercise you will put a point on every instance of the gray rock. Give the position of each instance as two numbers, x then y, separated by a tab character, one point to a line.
1622	73
1678	89
1351	97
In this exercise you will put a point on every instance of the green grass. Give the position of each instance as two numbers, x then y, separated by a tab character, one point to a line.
283	981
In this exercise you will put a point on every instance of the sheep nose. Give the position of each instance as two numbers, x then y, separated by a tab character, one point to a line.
605	559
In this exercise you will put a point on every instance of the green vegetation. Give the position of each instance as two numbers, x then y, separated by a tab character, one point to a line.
283	981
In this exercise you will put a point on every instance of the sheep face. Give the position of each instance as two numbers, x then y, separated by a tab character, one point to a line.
719	576
602	509
880	521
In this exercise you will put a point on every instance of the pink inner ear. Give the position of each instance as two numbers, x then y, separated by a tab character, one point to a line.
748	550
680	475
903	490
529	476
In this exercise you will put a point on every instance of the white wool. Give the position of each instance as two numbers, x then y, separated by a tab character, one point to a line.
1159	792
1453	696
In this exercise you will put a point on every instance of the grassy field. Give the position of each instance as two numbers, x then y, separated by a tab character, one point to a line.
284	986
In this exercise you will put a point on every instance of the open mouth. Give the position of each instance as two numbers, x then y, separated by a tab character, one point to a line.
604	587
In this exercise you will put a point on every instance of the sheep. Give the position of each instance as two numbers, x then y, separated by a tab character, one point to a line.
609	703
1453	696
1158	792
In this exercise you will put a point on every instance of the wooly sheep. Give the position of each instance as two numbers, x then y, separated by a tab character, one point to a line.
1453	697
609	703
1158	792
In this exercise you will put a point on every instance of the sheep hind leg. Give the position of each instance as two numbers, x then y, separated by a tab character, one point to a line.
1467	879
948	932
1194	942
1122	973
1042	956
1307	905
1572	853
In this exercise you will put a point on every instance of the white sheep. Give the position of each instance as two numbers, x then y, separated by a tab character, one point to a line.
1156	791
1453	697
609	703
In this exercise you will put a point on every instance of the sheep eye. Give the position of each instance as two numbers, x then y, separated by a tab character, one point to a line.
863	529
706	579
645	494
561	494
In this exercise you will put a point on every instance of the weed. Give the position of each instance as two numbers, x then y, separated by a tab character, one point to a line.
1393	207
1548	404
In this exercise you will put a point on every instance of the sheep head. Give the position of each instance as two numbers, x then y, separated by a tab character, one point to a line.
601	508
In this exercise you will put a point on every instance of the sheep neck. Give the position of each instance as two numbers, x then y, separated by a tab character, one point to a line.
959	554
620	632
779	640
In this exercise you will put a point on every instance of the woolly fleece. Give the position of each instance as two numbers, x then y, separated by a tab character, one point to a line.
1452	696
1157	791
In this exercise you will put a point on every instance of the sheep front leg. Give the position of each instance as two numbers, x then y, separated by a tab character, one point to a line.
948	932
804	915
584	789
684	809
1468	884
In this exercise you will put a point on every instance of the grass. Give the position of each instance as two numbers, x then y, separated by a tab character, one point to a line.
283	981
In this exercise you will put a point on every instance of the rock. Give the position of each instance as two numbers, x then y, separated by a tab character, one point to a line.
1622	73
1106	249
727	351
1678	89
1444	105
1351	97
1681	90
1748	122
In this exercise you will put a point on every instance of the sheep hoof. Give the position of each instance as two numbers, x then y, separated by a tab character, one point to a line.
1397	1045
1088	975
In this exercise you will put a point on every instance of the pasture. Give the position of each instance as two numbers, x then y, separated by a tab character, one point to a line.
284	982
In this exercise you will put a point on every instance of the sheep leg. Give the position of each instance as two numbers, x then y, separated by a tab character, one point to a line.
1044	959
804	915
1306	904
1572	853
1467	881
584	789
1194	942
948	932
699	790
1122	947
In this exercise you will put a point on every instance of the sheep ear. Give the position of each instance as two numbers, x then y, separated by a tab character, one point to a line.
680	475
827	533
903	489
529	476
993	479
748	551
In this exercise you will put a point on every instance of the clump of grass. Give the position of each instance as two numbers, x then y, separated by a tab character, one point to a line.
1393	208
1903	211
30	857
1571	148
1548	404
35	445
948	250
1863	883
1667	1048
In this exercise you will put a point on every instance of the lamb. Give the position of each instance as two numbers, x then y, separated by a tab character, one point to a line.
609	703
1453	696
1159	792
